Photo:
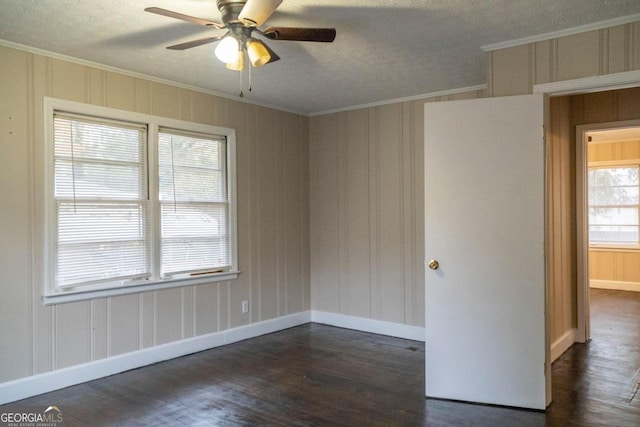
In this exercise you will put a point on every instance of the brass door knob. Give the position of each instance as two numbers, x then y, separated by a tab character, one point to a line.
433	264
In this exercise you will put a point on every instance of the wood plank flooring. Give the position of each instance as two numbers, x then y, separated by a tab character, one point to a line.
316	375
593	383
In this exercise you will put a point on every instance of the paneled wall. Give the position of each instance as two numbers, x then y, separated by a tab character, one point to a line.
273	228
514	71
367	248
561	219
363	222
367	211
614	268
614	151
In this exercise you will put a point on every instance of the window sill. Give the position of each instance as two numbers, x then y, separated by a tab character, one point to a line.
80	295
614	248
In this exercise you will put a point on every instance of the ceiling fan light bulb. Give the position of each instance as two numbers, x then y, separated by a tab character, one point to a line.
258	54
227	50
238	64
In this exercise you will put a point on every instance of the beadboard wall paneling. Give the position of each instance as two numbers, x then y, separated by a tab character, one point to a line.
323	174
615	267
16	327
614	151
367	211
514	70
561	216
273	222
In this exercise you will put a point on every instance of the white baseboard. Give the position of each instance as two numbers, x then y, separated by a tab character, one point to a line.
42	383
611	284
562	344
368	325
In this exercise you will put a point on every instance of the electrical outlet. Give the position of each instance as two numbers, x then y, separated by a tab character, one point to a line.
245	306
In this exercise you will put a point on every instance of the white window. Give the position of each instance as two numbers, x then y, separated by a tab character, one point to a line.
101	203
193	203
614	205
135	202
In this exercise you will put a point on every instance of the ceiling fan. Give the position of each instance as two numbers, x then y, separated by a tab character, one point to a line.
241	19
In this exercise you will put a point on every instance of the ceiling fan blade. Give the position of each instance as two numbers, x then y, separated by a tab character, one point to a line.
326	35
256	12
274	56
194	43
188	18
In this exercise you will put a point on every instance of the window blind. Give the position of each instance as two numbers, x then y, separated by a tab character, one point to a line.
194	203
101	201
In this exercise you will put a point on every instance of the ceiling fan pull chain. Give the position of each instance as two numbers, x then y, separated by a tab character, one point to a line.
241	84
250	79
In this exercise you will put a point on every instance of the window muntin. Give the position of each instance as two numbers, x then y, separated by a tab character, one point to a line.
614	205
104	204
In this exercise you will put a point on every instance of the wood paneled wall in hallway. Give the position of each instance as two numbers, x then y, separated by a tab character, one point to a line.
273	214
367	211
561	219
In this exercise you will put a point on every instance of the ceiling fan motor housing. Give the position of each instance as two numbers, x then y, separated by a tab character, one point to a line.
230	9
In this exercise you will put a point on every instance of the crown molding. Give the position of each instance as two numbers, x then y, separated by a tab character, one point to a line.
405	99
562	33
614	81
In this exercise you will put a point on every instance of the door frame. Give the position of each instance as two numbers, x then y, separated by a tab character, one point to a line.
614	81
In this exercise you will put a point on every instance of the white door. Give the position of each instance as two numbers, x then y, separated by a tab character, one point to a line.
484	225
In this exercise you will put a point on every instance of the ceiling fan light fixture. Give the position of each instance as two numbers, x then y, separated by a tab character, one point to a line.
238	64
258	53
227	50
242	18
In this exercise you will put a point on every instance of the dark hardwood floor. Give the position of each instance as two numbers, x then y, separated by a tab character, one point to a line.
320	375
594	383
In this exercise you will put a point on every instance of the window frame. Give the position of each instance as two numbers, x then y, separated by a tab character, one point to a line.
615	246
54	295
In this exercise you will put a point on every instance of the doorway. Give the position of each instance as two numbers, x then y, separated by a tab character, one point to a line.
573	118
570	116
609	204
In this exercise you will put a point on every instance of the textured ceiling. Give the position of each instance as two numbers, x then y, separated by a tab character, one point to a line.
384	49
